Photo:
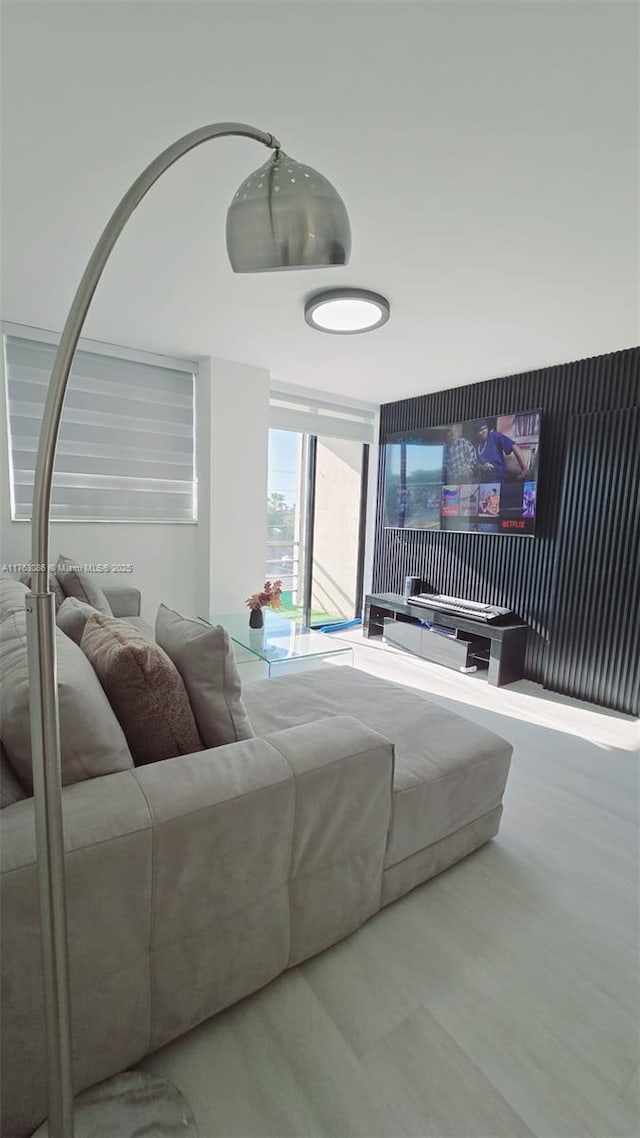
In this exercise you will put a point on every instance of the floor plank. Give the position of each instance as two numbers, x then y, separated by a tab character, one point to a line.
276	1064
435	1089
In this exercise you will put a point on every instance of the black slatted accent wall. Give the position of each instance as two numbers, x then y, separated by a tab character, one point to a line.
518	572
594	651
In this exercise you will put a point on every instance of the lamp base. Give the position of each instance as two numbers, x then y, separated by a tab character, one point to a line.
130	1104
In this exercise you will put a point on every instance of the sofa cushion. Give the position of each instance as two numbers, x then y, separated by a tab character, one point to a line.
448	771
91	741
81	585
144	689
124	600
141	625
10	789
203	655
72	616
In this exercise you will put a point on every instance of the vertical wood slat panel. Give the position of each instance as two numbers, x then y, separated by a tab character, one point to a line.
515	571
594	645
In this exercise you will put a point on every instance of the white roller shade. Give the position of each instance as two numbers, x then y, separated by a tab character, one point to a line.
126	445
317	416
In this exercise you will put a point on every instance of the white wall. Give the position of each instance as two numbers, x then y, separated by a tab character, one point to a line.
238	479
201	568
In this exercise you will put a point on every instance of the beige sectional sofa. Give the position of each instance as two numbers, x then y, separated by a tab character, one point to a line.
196	880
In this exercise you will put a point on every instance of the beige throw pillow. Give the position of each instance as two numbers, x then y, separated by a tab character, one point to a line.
81	585
143	688
72	617
203	654
13	595
91	740
10	789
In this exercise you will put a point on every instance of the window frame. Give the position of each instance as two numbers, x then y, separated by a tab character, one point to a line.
311	412
99	347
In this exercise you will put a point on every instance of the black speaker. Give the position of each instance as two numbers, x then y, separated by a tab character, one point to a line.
412	585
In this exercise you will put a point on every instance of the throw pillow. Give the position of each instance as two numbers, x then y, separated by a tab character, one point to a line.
144	689
203	655
81	585
54	586
13	594
10	789
72	617
91	740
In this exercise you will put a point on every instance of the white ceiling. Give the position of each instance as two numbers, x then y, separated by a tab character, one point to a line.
487	153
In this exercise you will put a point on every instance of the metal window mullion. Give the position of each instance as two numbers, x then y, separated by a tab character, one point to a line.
362	528
310	506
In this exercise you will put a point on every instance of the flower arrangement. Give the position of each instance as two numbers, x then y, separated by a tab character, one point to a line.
269	597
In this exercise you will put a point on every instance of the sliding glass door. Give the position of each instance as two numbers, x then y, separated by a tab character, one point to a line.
316	507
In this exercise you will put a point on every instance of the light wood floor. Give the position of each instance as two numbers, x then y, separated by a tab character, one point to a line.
500	999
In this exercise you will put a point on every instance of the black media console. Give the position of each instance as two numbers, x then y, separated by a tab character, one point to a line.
502	646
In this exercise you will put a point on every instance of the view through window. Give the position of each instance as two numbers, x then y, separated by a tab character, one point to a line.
314	532
285	514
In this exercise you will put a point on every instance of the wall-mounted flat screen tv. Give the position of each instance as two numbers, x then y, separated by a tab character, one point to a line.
477	476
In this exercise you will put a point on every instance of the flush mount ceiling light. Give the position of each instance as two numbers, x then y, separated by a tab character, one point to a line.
346	311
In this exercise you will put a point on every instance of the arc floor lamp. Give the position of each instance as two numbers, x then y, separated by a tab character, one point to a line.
284	216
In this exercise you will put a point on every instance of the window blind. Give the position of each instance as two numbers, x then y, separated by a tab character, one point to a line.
318	416
126	445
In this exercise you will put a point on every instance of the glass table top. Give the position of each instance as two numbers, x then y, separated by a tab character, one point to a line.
280	639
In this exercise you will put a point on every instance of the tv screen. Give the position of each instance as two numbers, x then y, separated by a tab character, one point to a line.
477	476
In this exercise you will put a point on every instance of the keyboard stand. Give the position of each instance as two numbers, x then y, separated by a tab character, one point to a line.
506	642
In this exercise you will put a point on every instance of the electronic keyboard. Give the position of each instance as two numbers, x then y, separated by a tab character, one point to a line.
458	606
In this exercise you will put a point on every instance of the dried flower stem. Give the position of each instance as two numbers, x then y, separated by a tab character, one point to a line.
269	597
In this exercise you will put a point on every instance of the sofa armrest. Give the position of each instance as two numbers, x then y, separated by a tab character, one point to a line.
125	600
344	787
266	850
222	822
109	859
190	883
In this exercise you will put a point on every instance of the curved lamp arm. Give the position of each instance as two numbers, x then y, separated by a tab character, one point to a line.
43	694
77	315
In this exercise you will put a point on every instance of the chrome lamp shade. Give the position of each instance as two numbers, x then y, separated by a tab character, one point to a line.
287	216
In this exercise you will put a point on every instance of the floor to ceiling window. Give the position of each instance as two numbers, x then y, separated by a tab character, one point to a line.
316	510
285	513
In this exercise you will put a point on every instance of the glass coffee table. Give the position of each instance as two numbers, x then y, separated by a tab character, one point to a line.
284	645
